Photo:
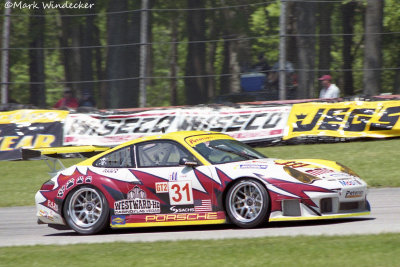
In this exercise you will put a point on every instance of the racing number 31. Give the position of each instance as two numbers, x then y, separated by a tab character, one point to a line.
180	193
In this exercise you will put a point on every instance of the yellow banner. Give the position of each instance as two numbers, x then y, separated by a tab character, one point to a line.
32	116
345	119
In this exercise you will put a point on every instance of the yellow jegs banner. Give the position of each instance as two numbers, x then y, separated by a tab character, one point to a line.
344	119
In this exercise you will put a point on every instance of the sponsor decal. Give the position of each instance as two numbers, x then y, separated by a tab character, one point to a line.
182	217
202	205
344	119
118	220
88	179
349	182
136	203
48	215
52	205
291	164
79	180
194	141
253	166
61	191
173	176
70	183
319	171
354	194
182	210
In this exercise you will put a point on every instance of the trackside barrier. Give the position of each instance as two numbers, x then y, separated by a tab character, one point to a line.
263	123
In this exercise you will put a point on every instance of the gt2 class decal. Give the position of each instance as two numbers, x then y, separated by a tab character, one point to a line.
180	193
136	203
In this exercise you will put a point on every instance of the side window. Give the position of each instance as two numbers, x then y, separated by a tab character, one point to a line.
121	158
160	153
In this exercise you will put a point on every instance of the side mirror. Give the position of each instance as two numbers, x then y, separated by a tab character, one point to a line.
188	162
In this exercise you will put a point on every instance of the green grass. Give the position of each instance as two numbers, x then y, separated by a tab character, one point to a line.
375	161
370	250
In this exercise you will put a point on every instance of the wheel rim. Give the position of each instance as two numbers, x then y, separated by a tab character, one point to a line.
246	202
85	207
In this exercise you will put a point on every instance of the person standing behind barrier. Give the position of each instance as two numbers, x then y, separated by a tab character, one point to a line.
329	90
68	101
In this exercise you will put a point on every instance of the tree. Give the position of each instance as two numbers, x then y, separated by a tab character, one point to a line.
36	58
195	87
122	61
373	47
325	40
306	21
348	13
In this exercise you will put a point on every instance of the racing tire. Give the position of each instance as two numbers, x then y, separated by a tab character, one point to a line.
86	210
247	204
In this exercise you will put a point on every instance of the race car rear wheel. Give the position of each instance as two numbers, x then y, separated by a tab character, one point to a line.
86	210
247	204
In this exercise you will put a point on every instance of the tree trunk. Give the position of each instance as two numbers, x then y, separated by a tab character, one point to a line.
306	21
373	47
325	40
130	97
230	83
348	12
116	56
396	84
174	62
70	37
87	39
99	70
195	87
36	59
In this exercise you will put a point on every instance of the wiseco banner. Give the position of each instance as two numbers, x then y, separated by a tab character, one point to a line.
346	119
248	124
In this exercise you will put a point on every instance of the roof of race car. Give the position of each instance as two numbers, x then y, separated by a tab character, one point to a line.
177	136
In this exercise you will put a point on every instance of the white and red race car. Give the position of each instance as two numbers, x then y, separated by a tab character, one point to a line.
193	178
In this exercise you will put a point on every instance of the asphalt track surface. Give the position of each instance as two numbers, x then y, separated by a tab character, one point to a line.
18	227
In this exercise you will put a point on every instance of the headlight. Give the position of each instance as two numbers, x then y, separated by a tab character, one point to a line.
347	170
302	177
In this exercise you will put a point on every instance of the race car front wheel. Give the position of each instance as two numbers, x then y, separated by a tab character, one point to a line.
86	210
247	204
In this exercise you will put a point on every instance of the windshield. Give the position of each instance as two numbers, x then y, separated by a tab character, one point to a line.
226	150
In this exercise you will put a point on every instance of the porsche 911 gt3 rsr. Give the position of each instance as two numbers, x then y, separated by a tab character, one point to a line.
192	178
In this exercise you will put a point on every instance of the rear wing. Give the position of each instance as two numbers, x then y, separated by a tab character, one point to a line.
52	155
60	152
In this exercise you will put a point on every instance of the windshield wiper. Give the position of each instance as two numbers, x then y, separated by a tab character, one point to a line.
240	154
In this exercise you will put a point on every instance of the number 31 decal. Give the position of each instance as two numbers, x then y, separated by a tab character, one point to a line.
180	193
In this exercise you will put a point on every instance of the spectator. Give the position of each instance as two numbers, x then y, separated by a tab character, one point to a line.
68	101
87	100
261	65
329	90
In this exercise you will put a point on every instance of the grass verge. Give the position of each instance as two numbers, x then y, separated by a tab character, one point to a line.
369	250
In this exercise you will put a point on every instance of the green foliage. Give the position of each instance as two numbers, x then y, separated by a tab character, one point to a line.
369	250
255	20
265	22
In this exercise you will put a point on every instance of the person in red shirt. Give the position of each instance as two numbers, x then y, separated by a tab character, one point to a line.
68	101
